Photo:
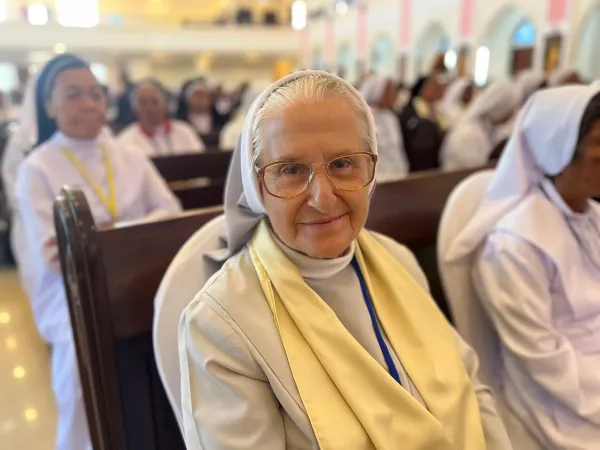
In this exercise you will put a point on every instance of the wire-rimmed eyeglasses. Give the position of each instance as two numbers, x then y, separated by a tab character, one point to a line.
348	172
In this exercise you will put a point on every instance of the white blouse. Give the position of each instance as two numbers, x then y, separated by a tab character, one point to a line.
180	139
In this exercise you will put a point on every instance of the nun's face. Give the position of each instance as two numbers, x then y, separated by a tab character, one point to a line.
78	104
151	106
580	179
200	101
322	221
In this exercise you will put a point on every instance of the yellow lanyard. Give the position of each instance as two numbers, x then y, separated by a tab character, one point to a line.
110	200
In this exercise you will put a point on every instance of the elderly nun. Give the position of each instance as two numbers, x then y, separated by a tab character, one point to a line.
471	142
535	243
119	185
317	333
457	98
380	94
155	134
197	107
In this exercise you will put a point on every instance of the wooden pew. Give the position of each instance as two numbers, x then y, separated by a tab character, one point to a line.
197	179
111	306
111	278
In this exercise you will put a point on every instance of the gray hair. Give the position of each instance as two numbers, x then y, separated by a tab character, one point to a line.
311	87
150	82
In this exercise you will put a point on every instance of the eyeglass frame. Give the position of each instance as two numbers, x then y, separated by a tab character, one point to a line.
260	171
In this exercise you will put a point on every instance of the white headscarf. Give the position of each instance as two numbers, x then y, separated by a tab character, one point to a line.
559	76
373	88
199	85
528	81
244	207
497	101
542	145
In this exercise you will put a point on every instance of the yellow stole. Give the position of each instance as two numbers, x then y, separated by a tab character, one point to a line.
352	402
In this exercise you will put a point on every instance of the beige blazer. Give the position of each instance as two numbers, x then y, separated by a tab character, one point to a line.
237	388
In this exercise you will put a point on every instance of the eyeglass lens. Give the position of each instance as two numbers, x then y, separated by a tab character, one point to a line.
288	179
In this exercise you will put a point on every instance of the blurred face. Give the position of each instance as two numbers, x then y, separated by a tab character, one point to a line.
78	104
200	101
389	96
432	91
322	221
580	179
151	106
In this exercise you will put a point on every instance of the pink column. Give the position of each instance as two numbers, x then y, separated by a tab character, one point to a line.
557	11
362	39
405	20
466	19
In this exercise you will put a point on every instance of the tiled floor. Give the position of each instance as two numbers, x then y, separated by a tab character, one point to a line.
27	409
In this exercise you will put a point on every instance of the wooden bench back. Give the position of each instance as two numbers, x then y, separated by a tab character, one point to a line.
197	179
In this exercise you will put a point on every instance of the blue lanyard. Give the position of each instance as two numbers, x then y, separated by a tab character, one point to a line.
384	349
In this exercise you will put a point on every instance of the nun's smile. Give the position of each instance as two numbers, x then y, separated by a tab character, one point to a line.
322	220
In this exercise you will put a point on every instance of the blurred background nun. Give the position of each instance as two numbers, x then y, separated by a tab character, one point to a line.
380	94
155	133
472	141
119	184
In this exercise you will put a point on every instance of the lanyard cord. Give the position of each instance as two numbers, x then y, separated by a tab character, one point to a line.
108	200
382	345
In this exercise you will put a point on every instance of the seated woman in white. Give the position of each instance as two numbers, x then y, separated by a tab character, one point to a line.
155	134
457	99
535	240
119	185
317	333
231	133
527	82
380	94
472	140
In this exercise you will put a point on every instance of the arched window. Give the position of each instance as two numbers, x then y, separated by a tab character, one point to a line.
77	13
524	34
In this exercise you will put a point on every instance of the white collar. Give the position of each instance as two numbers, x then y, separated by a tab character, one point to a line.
80	147
318	269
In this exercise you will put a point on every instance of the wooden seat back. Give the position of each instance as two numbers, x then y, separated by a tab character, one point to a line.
111	278
197	179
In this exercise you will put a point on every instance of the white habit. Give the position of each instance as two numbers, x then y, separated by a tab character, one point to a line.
175	138
140	193
536	269
471	141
